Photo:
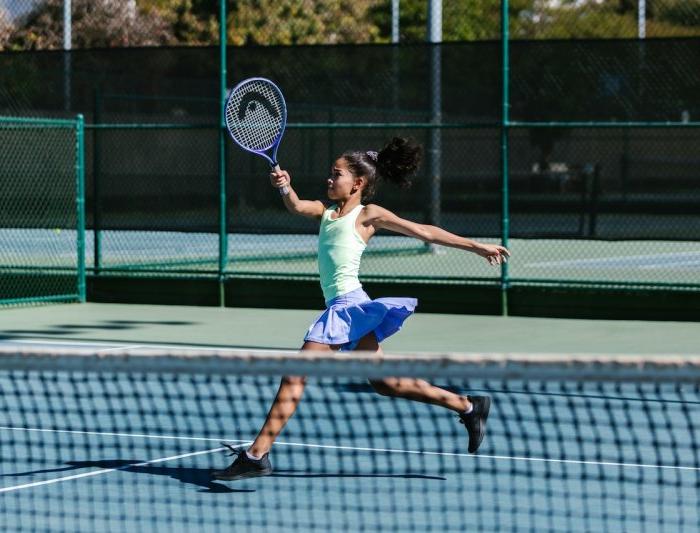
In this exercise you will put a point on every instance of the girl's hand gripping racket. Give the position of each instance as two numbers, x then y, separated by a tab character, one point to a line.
256	115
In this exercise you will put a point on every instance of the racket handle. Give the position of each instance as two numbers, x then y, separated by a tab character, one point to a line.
284	191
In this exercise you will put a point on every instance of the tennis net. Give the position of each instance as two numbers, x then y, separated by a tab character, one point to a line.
112	440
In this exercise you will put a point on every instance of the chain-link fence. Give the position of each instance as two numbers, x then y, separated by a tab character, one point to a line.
600	144
41	211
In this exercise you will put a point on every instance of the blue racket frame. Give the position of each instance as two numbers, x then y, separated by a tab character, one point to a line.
269	152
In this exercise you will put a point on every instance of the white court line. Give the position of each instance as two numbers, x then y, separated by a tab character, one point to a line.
132	435
123	347
106	470
616	260
504	457
220	348
112	346
675	264
59	342
387	450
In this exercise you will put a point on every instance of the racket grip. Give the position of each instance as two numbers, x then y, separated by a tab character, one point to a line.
284	190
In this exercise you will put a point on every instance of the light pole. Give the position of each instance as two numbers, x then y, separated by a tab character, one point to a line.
67	45
435	146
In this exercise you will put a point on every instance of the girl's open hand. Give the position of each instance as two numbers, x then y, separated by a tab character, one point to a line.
494	253
280	178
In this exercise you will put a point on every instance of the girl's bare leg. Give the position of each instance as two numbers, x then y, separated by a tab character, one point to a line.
283	407
421	391
411	388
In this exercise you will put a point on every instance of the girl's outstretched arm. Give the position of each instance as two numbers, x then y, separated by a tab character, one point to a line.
306	208
380	218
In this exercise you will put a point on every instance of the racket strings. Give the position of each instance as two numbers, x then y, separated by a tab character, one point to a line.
255	115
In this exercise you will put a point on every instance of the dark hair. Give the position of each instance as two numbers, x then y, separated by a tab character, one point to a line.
396	163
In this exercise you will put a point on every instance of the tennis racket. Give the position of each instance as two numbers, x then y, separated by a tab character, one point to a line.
256	116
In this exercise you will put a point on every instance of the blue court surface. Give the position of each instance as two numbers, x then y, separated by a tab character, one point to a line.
117	451
103	452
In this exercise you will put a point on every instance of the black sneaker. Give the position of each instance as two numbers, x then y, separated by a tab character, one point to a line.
243	467
475	422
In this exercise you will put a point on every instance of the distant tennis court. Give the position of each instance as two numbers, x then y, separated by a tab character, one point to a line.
397	257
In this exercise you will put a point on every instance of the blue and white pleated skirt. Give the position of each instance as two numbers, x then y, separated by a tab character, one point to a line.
351	316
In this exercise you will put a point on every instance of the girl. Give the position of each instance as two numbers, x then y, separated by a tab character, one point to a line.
352	321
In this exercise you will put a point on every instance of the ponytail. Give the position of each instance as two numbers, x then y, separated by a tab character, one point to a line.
396	163
399	160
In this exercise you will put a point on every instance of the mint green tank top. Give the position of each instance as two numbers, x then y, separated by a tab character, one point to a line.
340	248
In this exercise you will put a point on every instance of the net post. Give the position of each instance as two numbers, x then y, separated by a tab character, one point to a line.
223	237
80	203
505	122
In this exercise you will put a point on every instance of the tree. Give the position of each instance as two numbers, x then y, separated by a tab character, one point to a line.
566	19
192	22
289	22
95	23
6	28
413	16
462	21
301	22
680	12
271	22
542	19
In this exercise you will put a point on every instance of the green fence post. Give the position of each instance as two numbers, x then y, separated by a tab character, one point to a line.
80	203
505	119
223	230
96	212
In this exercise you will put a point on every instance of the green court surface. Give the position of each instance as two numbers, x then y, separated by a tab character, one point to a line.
285	329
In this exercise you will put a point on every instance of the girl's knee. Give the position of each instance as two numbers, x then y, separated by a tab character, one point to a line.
385	386
368	343
294	380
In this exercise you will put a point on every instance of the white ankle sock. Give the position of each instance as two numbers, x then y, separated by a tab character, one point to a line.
469	410
251	456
